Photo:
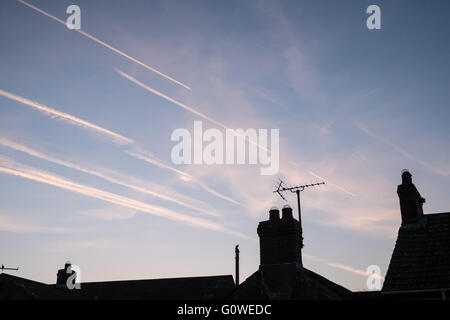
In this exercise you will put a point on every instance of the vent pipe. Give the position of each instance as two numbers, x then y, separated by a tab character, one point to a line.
236	251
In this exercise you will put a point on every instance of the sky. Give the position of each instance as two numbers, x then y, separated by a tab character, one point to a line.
86	119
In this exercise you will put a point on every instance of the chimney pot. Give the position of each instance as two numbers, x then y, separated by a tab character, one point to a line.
274	214
406	177
287	212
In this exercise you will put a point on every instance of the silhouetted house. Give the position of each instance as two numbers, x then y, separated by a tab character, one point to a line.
16	288
281	275
420	263
194	288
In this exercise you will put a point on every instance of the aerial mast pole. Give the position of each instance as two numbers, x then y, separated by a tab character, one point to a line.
299	208
236	250
296	189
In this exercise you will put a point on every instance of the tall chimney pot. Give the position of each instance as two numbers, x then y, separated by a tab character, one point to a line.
274	214
287	212
411	202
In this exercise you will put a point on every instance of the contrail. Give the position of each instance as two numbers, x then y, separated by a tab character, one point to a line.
354	270
9	166
343	267
326	180
400	150
333	184
186	107
55	114
217	194
96	173
135	150
182	105
123	54
146	156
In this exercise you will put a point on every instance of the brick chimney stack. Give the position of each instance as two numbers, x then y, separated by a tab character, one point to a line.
411	201
280	239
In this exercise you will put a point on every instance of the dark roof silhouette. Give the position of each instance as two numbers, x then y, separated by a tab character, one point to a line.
16	288
421	257
288	281
281	275
193	288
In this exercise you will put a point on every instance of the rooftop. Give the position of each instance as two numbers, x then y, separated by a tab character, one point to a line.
421	257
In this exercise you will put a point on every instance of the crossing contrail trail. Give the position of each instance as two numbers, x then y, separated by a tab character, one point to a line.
133	148
123	54
96	172
141	154
186	107
182	105
333	184
11	167
402	151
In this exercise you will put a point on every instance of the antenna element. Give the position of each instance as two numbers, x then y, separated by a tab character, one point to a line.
2	268
296	189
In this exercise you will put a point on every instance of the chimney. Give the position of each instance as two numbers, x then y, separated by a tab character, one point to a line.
280	239
63	275
410	200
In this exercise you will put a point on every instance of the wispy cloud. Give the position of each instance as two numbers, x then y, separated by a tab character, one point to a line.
326	205
400	150
268	97
104	44
297	67
110	213
85	244
9	166
11	225
97	172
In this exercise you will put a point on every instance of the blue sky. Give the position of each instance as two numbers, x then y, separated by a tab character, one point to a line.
354	107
